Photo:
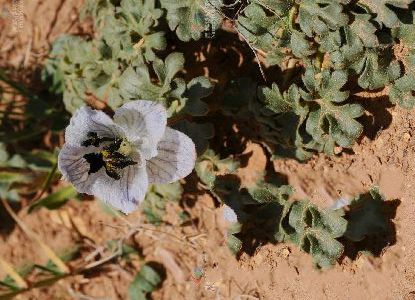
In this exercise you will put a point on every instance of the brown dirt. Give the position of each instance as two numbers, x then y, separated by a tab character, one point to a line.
384	157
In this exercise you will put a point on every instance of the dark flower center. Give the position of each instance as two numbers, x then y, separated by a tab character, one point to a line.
109	157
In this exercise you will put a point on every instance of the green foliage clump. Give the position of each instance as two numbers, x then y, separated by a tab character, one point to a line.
266	209
313	230
338	47
117	64
320	54
190	19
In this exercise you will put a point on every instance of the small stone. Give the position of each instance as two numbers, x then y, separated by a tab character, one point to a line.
406	136
338	150
285	252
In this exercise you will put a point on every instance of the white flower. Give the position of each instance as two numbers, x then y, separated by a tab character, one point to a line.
339	203
116	159
229	214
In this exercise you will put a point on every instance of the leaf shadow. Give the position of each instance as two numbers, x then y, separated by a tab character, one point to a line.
260	221
7	224
378	117
375	243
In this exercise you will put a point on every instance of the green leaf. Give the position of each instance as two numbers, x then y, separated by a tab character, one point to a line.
10	177
324	119
314	231
154	204
146	281
276	101
172	92
376	69
300	46
50	267
320	16
55	200
9	283
234	243
383	10
130	33
402	91
365	30
190	18
197	89
329	121
272	115
269	32
210	164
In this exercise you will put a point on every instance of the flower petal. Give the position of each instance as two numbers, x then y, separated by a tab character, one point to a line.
124	194
143	121
175	159
75	168
87	120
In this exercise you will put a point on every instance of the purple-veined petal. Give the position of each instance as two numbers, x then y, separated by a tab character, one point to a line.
144	123
125	193
87	120
75	168
175	159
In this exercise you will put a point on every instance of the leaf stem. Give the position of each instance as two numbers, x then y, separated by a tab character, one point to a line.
47	182
13	274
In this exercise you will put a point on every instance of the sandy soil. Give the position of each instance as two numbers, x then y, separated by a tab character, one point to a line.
384	156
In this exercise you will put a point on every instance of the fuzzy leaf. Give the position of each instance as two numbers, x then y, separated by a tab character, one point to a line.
357	49
210	164
172	92
314	231
300	46
365	30
191	18
270	33
320	16
376	70
382	8
197	89
129	31
329	121
402	91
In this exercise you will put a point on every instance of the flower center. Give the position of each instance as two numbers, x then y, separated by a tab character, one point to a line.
114	155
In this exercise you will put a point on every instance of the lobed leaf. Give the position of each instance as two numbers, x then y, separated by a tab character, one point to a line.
320	16
191	18
383	9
